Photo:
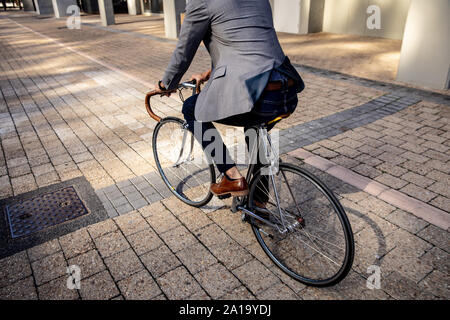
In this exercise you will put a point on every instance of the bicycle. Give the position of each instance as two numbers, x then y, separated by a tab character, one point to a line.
297	232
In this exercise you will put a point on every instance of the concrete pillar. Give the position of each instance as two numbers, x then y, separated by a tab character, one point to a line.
44	6
425	58
286	15
172	21
298	16
316	10
28	5
60	7
90	6
106	12
134	7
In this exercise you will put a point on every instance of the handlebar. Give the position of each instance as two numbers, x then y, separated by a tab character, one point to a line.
184	85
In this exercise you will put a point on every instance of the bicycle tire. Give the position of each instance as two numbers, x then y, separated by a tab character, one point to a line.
348	235
174	189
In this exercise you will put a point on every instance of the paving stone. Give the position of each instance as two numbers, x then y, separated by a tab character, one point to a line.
123	264
196	258
391	181
241	233
89	263
377	206
293	284
402	238
212	235
98	287
217	280
49	268
345	161
406	221
144	241
21	290
178	284
441	202
418	192
437	258
150	209
312	293
440	188
76	243
419	180
240	293
199	295
396	171
325	153
176	206
111	243
159	261
438	284
195	220
23	184
251	274
401	288
43	250
405	262
162	221
131	223
178	238
124	209
57	290
231	254
278	292
101	228
18	171
367	171
42	169
419	168
139	286
436	236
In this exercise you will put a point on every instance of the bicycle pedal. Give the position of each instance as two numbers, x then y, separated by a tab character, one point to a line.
224	196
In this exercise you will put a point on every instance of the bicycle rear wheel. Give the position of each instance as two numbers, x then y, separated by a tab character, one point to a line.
312	241
182	163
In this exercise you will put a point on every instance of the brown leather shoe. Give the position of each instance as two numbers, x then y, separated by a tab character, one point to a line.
235	188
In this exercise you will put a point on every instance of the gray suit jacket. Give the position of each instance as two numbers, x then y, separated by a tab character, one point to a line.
244	48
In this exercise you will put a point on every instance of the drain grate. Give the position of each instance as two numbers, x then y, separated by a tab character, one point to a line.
32	215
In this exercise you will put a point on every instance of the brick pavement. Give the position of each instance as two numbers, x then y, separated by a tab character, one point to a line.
69	112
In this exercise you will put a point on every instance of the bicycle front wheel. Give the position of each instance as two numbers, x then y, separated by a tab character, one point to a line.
310	238
181	162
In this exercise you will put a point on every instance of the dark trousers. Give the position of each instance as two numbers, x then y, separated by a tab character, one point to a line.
270	105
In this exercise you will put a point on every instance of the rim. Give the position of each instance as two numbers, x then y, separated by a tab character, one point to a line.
188	179
307	255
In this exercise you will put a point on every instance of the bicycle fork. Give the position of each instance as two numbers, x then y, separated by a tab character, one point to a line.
237	205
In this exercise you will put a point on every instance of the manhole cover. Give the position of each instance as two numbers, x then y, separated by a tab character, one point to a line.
28	216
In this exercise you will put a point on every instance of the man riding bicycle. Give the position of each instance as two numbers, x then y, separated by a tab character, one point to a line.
251	80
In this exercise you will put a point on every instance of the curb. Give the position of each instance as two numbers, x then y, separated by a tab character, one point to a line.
418	208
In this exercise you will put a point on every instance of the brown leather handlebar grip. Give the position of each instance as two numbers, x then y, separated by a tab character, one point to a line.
149	108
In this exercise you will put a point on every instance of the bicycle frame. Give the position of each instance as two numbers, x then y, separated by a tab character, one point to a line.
263	138
262	135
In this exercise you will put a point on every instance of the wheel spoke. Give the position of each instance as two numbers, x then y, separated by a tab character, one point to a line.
314	250
175	150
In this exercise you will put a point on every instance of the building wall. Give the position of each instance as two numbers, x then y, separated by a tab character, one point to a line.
350	17
28	5
425	58
44	7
